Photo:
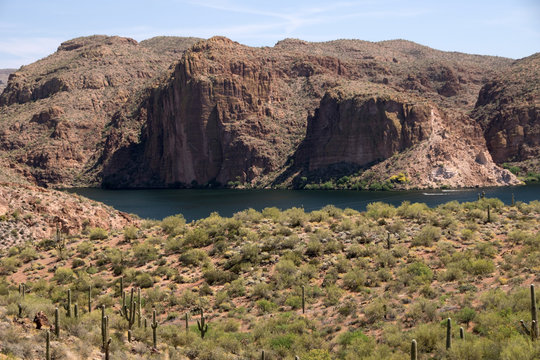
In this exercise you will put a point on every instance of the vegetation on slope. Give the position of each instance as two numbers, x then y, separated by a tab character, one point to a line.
372	281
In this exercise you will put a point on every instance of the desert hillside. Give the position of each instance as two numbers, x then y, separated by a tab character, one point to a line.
328	284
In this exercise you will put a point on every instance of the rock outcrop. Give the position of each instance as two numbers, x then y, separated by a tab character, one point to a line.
508	108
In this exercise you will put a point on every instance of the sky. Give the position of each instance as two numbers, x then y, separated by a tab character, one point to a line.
33	29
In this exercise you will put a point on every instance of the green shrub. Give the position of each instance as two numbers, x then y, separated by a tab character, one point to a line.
63	275
265	306
379	210
427	236
144	253
173	225
130	233
144	280
85	248
98	234
193	257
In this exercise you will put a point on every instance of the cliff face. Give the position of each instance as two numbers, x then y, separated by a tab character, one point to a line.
361	131
508	108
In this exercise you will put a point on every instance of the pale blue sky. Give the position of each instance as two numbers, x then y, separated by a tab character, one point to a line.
30	30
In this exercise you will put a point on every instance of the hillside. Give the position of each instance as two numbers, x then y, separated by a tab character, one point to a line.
184	112
372	281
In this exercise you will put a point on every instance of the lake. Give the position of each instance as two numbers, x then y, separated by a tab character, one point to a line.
197	204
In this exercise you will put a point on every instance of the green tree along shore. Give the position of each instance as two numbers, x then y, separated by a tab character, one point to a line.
328	284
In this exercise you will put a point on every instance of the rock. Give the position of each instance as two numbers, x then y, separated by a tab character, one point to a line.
41	320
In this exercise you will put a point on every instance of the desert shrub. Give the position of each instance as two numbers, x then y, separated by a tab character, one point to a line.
333	295
144	280
354	280
98	233
266	306
417	272
215	276
63	275
130	233
272	213
197	238
466	315
313	248
173	225
318	216
333	211
518	236
28	254
173	245
379	210
193	257
249	216
295	217
481	267
85	248
143	253
285	273
317	354
427	236
412	211
77	262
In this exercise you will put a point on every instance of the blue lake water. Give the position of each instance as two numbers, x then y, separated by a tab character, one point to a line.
197	204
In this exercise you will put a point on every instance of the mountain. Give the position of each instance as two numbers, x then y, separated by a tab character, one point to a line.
169	112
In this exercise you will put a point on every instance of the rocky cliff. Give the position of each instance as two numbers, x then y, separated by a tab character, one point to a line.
508	108
182	112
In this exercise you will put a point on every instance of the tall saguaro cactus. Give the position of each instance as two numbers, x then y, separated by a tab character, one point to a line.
448	334
56	323
68	305
154	326
48	345
414	350
89	298
533	332
534	315
202	325
303	299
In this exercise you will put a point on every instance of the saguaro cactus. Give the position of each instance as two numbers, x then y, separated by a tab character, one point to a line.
76	311
262	355
534	315
187	322
20	310
488	214
414	350
448	333
202	325
154	326
139	304
107	347
90	299
122	286
68	305
56	323
533	332
48	345
461	333
303	299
